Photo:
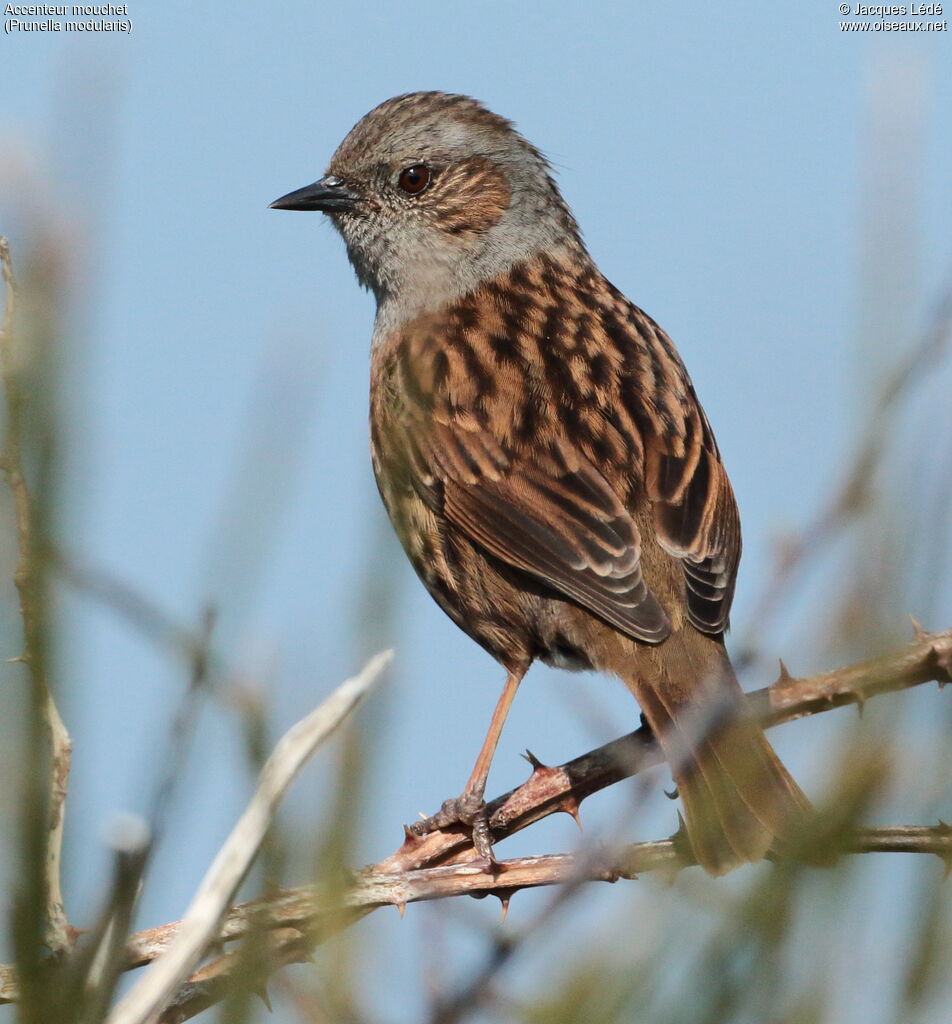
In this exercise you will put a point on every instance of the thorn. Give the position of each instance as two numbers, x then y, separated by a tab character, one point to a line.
410	838
17	659
784	679
533	760
919	633
681	836
262	994
570	805
505	896
860	702
401	908
681	841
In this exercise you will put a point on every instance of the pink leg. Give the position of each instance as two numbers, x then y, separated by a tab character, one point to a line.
470	807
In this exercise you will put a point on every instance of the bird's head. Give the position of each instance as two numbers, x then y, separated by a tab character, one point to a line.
433	194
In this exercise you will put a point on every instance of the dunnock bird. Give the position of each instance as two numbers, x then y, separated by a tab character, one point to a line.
543	456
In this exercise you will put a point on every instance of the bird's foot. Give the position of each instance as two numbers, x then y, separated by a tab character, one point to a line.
469	810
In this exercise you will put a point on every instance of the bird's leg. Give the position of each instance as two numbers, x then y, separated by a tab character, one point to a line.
469	808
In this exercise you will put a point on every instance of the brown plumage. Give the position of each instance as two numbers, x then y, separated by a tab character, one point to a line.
542	453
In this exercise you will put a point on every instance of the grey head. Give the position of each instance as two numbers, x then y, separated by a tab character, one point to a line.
434	194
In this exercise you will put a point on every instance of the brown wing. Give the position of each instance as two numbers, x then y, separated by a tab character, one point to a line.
696	521
695	513
554	351
557	519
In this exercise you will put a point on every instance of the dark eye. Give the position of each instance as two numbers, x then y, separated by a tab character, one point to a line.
413	180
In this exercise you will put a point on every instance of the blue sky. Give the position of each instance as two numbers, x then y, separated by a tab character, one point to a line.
721	166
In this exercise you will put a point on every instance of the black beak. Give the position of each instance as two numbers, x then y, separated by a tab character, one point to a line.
328	194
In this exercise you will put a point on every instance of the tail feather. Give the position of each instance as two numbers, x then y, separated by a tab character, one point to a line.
739	800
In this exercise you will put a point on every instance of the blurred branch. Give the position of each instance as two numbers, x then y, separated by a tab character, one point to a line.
57	935
94	970
141	612
298	918
199	928
87	986
434	867
183	724
853	494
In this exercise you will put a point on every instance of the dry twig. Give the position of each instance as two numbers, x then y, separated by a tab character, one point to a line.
57	936
435	867
299	918
551	789
149	997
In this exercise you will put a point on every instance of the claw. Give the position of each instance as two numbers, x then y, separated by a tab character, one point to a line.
482	842
468	810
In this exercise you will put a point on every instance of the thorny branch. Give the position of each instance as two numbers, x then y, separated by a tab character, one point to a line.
928	658
435	866
298	919
200	927
57	935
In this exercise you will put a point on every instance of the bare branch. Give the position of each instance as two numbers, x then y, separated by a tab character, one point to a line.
129	604
147	999
57	935
434	867
298	918
550	789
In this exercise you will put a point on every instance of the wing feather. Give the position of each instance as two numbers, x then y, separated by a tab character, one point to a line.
552	529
